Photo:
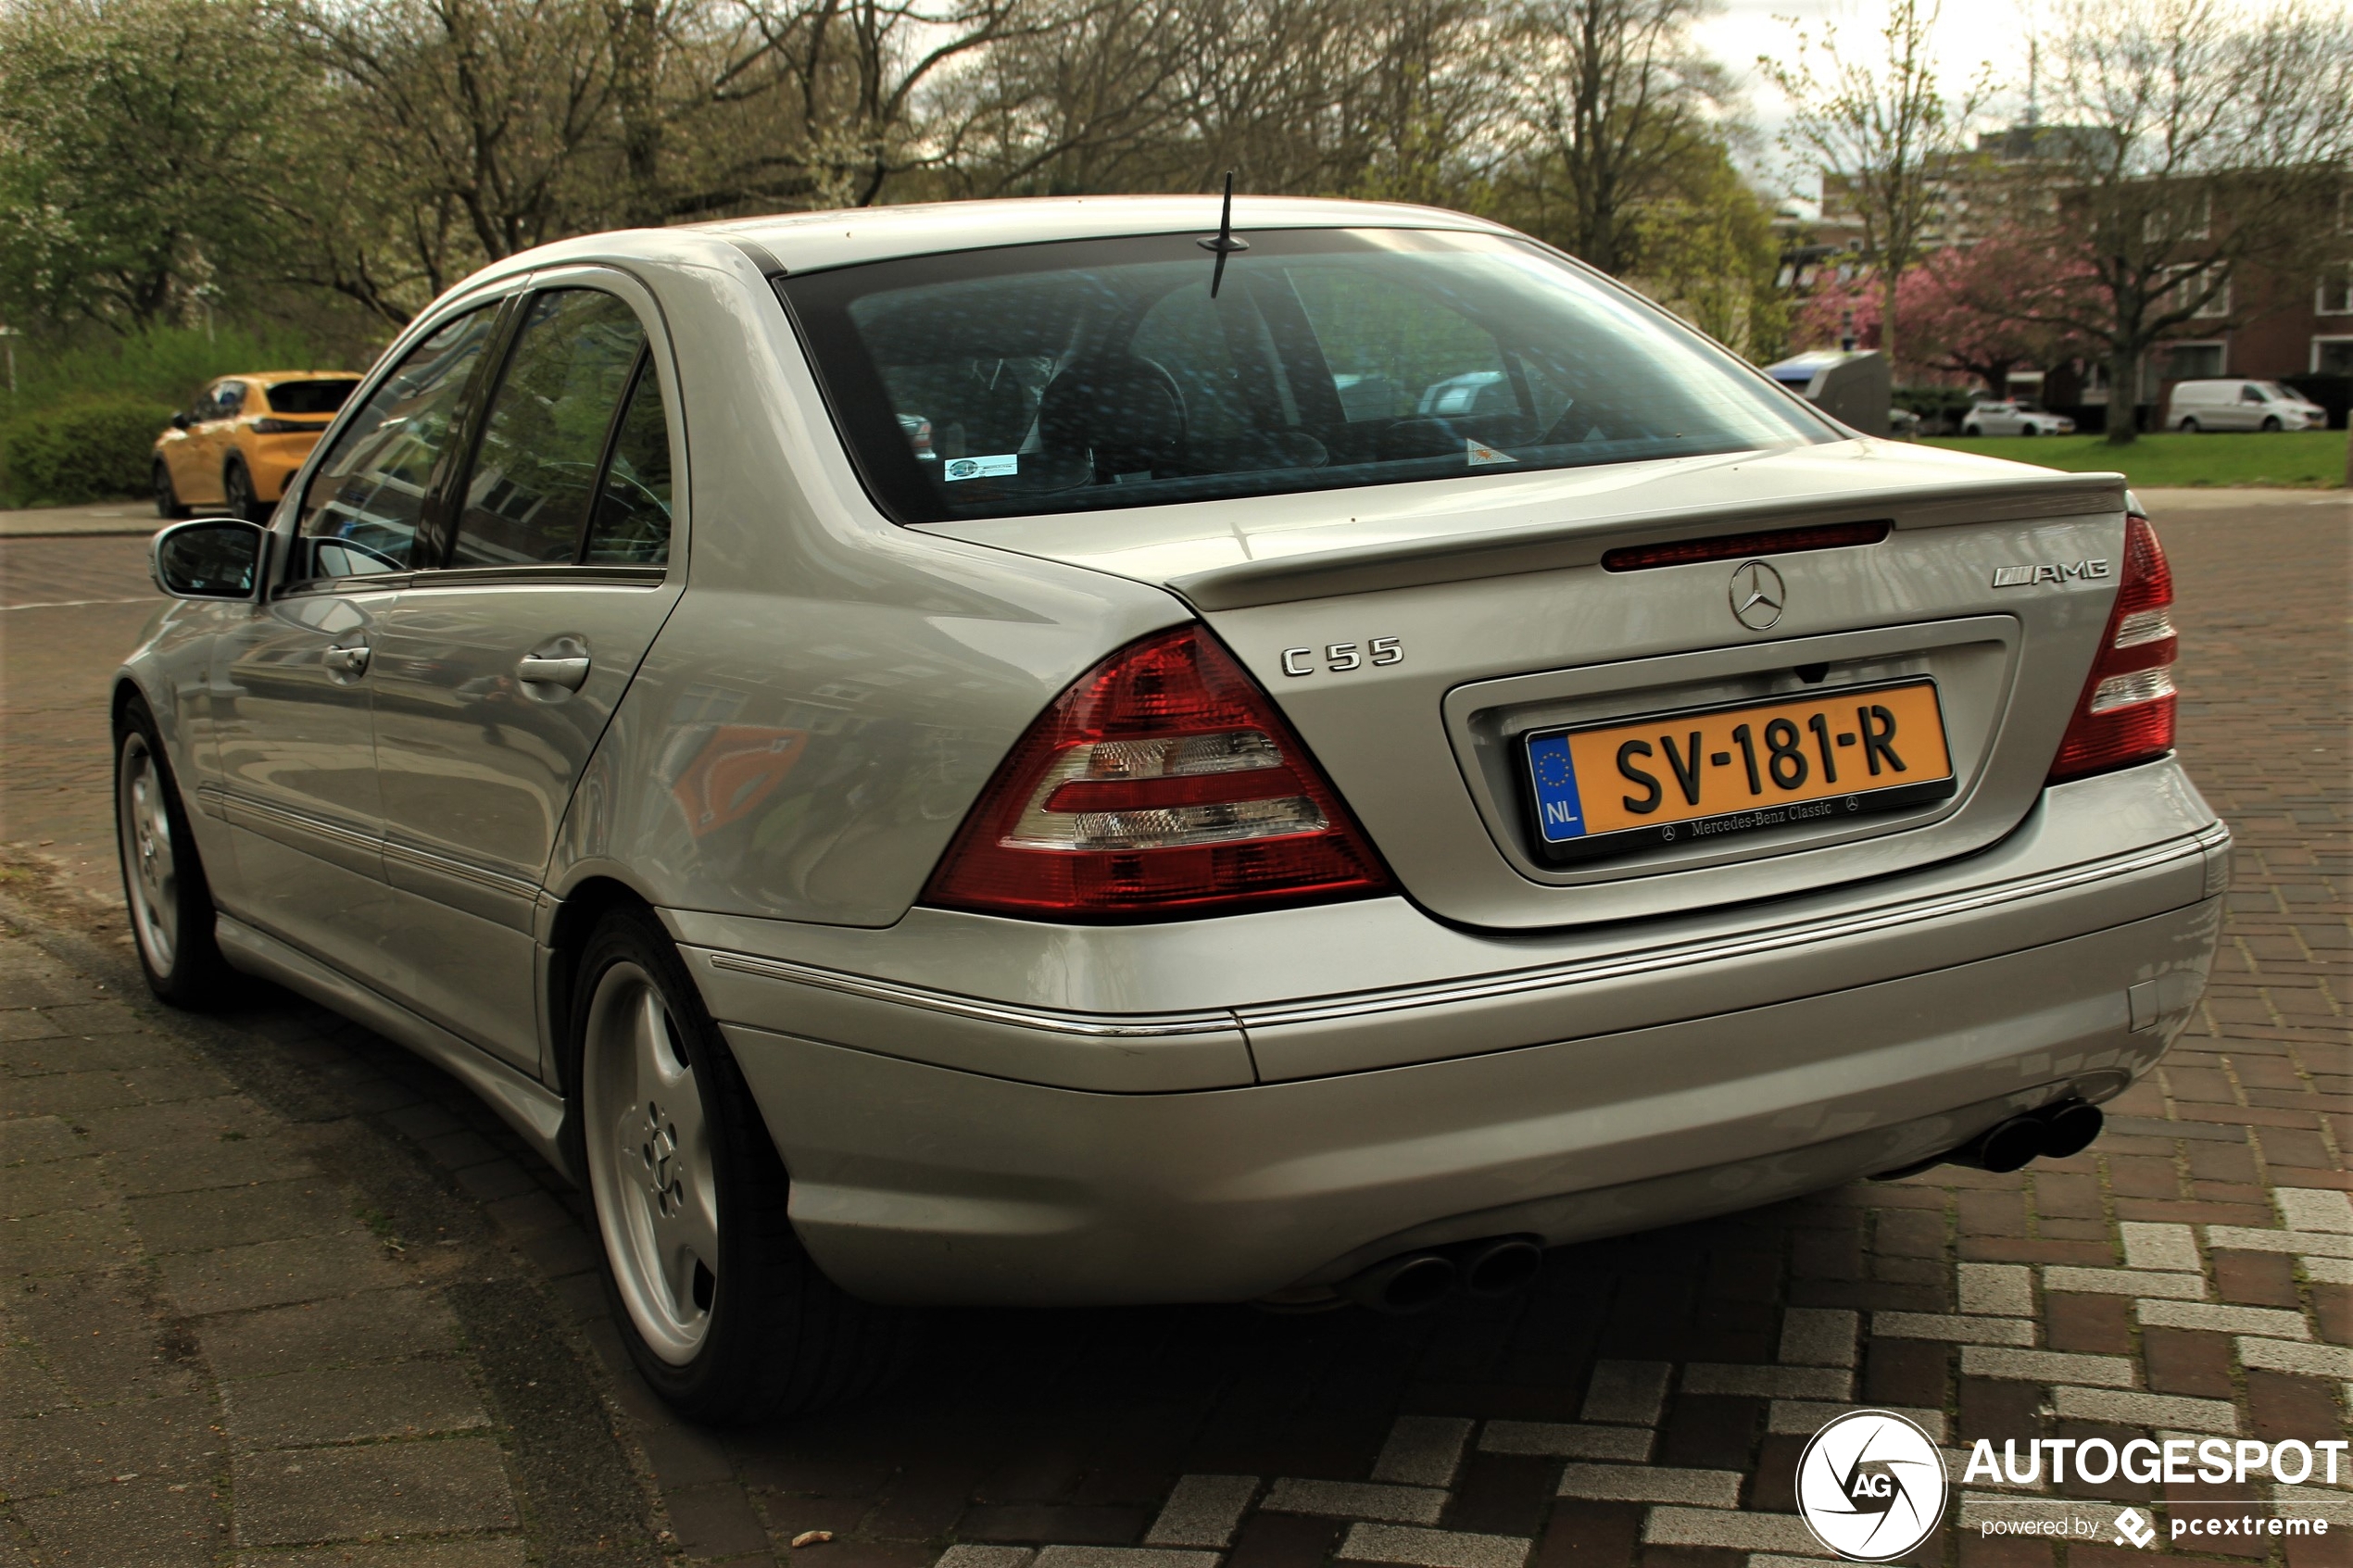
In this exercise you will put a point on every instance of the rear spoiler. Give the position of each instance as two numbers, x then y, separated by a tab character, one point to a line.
1579	541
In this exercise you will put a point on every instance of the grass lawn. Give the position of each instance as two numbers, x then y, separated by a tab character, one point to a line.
2303	459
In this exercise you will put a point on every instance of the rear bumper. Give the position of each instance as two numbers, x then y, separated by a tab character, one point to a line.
992	1149
273	461
915	1183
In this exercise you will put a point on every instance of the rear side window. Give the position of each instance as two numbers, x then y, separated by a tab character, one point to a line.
1101	373
536	475
308	396
632	523
366	502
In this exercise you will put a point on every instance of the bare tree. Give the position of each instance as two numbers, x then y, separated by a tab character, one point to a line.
1879	125
2193	144
1620	112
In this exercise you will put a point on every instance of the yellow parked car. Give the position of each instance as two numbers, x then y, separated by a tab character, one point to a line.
236	447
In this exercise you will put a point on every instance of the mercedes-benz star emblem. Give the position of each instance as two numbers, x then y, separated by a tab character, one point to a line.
1756	596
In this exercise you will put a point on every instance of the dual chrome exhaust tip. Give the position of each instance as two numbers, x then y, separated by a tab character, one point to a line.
2052	1133
1502	1265
1417	1281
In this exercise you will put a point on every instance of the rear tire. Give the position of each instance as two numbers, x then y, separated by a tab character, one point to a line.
236	494
2189	427
168	502
1971	430
722	1311
163	879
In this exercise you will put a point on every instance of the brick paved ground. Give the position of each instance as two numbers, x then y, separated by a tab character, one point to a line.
2192	1274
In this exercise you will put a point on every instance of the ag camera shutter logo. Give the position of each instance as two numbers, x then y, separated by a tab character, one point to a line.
1871	1485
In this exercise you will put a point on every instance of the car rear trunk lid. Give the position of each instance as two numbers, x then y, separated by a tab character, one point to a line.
1419	635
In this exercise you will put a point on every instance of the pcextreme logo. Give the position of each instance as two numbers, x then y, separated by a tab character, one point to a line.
1871	1485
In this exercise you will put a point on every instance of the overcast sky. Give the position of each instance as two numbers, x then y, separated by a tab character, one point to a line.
1970	34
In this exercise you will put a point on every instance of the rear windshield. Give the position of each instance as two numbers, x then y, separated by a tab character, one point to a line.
308	396
1098	373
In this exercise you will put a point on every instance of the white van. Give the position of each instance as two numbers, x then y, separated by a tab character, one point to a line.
2241	405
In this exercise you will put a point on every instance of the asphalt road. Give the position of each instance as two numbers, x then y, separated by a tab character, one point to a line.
276	1293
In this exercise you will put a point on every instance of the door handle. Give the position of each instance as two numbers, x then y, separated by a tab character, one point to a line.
351	661
569	673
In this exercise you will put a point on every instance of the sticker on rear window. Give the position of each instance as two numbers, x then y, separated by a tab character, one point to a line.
983	467
1482	454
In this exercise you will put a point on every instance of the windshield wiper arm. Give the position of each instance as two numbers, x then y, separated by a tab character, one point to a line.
1223	242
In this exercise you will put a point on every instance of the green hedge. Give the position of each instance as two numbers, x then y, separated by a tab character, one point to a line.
91	448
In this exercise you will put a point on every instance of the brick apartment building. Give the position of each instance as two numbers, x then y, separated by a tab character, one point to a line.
2291	326
2269	325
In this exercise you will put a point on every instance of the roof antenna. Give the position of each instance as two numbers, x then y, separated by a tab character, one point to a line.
1223	243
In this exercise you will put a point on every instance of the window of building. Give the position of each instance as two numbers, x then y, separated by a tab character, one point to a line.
2188	283
2334	296
2332	356
2190	361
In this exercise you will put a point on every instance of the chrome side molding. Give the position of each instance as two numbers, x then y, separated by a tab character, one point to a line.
1100	1026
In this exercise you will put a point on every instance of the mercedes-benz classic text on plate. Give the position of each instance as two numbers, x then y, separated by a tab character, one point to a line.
999	754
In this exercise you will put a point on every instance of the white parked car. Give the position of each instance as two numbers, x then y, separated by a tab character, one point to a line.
2013	416
2241	405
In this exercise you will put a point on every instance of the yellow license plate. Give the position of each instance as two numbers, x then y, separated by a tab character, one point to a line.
1629	783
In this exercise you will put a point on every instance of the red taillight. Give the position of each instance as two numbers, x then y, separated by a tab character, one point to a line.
1162	782
2126	712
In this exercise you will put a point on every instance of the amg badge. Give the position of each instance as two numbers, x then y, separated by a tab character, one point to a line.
2067	571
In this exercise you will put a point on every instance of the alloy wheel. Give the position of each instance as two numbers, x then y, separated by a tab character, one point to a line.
649	1163
145	823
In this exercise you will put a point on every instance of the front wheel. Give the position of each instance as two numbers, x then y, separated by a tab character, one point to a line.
2271	421
723	1312
163	879
2030	430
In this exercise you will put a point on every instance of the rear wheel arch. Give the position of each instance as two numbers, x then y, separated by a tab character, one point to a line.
775	1337
583	906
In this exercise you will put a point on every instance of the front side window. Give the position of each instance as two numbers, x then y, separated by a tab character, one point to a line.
528	497
366	502
1098	373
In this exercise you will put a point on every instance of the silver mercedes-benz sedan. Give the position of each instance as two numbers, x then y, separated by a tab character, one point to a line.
1051	752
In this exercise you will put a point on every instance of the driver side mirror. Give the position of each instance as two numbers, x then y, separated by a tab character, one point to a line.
181	420
212	558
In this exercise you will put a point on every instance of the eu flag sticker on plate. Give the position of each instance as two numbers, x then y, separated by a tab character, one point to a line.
1558	814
